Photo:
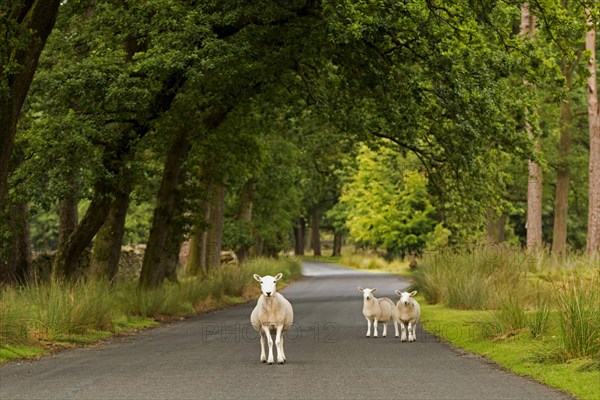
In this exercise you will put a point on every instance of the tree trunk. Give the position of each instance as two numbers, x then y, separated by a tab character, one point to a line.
23	265
299	236
107	244
561	200
66	262
17	266
68	217
315	236
593	238
215	228
337	244
534	187
153	273
495	231
196	262
245	215
36	17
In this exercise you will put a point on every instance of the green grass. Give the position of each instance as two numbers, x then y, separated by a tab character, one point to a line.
519	353
58	315
375	263
534	314
18	351
472	280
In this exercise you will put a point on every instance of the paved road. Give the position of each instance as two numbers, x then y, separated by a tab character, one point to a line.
216	356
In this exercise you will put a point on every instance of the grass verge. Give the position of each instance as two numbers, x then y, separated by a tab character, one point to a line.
375	263
518	352
38	319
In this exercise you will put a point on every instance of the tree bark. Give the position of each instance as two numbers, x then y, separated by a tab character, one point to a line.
68	217
299	236
593	237
107	244
66	262
196	262
534	187
153	272
245	215
17	268
561	199
495	231
337	244
215	228
37	17
315	236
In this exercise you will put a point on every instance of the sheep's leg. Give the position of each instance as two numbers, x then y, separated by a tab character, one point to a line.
270	341
282	352
411	332
279	344
375	321
403	338
368	327
384	329
396	328
263	356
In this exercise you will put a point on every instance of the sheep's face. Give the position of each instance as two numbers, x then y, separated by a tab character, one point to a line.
268	283
405	296
367	293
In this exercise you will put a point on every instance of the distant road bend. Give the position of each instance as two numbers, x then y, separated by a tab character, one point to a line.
216	356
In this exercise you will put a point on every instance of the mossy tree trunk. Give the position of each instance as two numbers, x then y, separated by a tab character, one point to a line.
153	267
68	217
215	227
299	236
561	199
245	215
495	231
107	244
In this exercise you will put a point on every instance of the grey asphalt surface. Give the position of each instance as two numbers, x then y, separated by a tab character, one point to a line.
216	356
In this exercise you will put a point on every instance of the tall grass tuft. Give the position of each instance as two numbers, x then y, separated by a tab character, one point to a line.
14	317
57	310
511	316
579	316
539	319
477	279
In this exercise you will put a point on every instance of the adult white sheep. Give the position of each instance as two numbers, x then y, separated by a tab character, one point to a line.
378	310
408	311
273	314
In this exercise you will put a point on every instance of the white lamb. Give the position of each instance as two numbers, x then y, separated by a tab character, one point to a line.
378	310
408	311
273	314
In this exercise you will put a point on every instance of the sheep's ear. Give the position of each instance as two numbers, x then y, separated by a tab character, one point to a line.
257	277
374	289
360	289
413	293
278	276
399	293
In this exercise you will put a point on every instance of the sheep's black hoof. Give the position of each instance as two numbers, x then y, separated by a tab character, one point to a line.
281	362
269	363
263	361
383	336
